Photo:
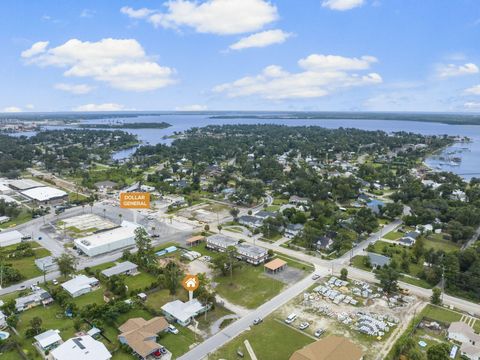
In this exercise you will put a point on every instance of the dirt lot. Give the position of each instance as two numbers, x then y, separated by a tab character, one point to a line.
346	319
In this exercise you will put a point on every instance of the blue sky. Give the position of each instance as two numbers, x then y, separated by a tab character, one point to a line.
381	55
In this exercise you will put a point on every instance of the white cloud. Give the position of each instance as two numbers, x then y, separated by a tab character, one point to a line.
475	90
451	70
472	105
87	13
100	107
342	5
321	75
194	107
136	14
121	63
77	89
261	39
36	49
12	109
222	17
30	106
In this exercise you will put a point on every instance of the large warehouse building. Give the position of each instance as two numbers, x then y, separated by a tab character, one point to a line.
10	238
46	194
109	240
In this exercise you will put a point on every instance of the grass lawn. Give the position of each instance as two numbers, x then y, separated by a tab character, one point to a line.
416	282
270	340
358	262
437	242
121	355
273	208
103	266
159	298
212	316
295	263
52	318
252	283
178	344
393	235
440	314
139	281
95	296
273	237
26	265
23	217
278	201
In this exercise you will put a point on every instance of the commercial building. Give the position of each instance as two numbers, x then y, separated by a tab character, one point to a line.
109	240
220	242
45	195
141	335
329	348
183	312
10	238
36	298
123	268
80	285
81	348
24	184
252	254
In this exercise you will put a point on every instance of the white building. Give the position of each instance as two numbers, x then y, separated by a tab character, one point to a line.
81	348
24	184
45	194
10	238
3	320
80	285
107	241
464	334
183	312
48	340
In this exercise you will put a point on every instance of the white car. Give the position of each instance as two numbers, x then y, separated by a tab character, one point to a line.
315	277
172	329
291	318
303	325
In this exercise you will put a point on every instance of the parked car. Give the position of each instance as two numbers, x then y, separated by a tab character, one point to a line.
315	277
291	318
319	333
172	329
55	282
257	321
303	325
163	350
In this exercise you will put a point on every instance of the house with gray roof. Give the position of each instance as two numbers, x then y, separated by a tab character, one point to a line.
220	242
123	268
47	263
293	230
251	221
377	260
35	298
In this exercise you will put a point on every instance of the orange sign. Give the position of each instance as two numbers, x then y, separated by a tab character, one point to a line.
190	282
135	200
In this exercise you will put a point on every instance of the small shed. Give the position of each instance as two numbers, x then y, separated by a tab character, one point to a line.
195	240
275	265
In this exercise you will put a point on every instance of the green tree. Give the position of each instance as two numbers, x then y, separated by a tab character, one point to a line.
145	254
438	352
234	212
436	297
344	274
66	264
388	278
172	276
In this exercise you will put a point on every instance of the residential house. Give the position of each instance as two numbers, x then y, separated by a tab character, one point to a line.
323	243
48	340
375	205
36	298
252	254
80	285
183	312
250	221
80	348
297	200
47	263
329	348
262	214
407	241
469	340
141	335
293	230
377	260
123	268
220	242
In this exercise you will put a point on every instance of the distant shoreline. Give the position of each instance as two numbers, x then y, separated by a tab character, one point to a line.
133	125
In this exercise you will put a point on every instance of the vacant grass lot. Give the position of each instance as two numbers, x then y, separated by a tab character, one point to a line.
440	314
270	340
251	282
159	298
437	242
393	235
